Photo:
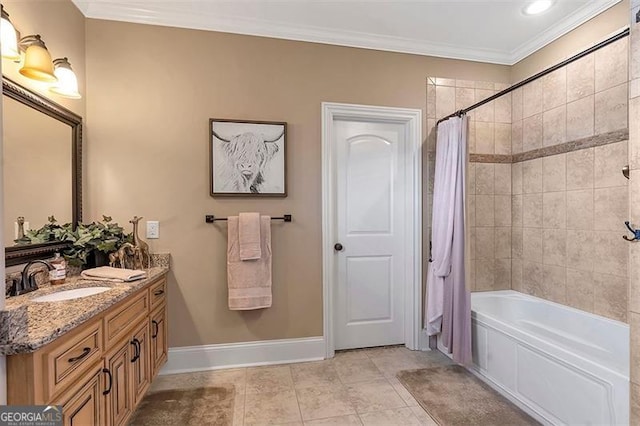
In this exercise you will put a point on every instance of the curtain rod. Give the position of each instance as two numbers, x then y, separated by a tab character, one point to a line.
549	70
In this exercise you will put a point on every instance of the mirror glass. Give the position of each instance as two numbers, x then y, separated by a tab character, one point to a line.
37	168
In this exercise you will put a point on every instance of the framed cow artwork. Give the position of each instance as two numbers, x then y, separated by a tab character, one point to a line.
248	158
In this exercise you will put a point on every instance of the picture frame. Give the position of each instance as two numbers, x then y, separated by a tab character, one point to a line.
247	158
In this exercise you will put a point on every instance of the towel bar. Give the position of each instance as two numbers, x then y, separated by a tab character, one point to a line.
211	218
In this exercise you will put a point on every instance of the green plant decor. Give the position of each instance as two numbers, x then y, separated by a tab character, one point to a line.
105	237
51	231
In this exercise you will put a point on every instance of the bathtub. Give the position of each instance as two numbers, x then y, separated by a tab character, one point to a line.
561	365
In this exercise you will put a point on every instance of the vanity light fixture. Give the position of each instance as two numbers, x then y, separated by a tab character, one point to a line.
8	37
37	60
67	84
537	7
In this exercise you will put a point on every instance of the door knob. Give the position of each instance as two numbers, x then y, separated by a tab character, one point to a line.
338	247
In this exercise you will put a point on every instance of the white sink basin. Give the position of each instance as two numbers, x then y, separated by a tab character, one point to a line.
71	294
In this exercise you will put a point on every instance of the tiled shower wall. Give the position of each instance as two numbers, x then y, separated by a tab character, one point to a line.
489	184
568	216
634	211
569	204
547	200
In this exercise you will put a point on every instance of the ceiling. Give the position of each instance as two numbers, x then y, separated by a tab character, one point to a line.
495	31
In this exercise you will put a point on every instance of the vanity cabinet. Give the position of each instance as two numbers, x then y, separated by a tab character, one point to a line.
100	371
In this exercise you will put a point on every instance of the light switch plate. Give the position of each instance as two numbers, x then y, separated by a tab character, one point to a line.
153	229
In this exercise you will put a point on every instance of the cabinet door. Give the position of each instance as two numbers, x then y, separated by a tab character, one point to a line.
158	339
119	402
141	362
84	405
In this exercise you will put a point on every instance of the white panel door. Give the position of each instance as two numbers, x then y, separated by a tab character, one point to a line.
370	207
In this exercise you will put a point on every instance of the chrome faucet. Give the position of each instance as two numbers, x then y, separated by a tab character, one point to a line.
28	281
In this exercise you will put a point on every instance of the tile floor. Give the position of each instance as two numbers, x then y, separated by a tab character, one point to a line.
354	388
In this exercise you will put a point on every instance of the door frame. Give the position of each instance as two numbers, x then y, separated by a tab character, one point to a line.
412	121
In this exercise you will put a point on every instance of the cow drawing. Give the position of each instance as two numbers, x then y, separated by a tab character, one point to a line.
247	155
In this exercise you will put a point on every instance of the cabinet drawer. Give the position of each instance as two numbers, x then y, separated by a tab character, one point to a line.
158	293
122	318
83	404
69	357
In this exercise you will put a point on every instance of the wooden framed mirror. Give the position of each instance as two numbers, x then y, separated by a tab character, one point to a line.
42	169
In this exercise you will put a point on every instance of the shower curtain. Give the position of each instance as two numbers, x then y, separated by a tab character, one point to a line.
448	300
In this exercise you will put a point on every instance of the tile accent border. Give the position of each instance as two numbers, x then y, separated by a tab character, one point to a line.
576	145
547	151
491	158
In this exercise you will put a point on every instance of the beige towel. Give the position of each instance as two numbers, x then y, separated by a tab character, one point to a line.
107	273
249	281
249	236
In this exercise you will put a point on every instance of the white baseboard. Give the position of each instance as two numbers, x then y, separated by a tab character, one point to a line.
246	354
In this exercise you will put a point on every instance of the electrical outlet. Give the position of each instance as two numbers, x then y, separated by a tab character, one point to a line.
15	229
153	229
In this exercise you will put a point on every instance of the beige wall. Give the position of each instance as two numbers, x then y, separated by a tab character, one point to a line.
62	27
584	36
151	91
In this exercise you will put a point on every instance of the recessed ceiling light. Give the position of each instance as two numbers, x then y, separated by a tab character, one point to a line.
537	7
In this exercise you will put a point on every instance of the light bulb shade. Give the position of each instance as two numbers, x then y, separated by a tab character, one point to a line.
37	60
67	84
8	38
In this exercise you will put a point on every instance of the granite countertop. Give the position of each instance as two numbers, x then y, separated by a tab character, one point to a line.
26	326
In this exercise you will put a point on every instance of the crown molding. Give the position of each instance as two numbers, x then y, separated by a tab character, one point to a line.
563	27
172	15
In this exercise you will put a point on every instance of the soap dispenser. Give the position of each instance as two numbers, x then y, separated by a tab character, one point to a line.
59	272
